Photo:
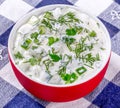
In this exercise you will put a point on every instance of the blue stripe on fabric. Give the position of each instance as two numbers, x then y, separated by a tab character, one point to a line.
32	2
4	37
111	29
112	18
21	100
4	55
115	41
118	1
73	1
109	97
116	79
41	101
92	106
90	97
5	24
7	92
1	1
49	2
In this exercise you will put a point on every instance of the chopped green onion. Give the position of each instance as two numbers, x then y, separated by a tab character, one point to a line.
69	59
47	23
71	16
34	47
52	40
71	32
79	29
102	48
86	30
81	70
33	61
68	18
91	59
47	64
18	55
62	70
66	78
90	47
36	41
48	15
69	78
62	20
68	42
54	57
92	34
26	44
97	57
74	77
80	47
34	35
42	30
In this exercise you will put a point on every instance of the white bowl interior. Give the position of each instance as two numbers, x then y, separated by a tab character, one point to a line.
42	10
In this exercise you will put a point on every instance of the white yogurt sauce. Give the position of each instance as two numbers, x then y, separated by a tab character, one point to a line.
60	46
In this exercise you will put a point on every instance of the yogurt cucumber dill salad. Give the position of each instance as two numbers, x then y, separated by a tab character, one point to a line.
59	46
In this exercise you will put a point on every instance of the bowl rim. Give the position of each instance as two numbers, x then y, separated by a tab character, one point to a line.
49	7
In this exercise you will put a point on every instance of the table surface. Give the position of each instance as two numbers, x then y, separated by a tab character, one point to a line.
106	95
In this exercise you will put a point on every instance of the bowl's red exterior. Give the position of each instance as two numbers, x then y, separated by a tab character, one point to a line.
59	94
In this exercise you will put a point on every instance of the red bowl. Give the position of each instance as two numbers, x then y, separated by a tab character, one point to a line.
57	93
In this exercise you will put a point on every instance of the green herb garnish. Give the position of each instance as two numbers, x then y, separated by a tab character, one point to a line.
102	48
90	47
47	23
69	59
71	32
62	20
36	41
91	59
79	29
72	17
34	35
52	40
68	42
18	55
97	57
33	61
26	44
55	57
47	64
62	70
80	47
42	30
86	30
48	15
34	47
92	34
68	18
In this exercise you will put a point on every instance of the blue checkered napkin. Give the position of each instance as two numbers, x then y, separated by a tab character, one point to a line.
106	95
